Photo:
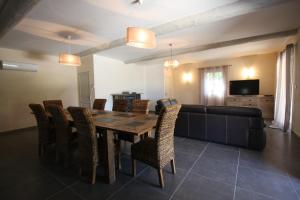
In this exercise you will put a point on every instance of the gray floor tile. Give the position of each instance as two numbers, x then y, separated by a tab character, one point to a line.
197	187
150	177
270	184
190	146
217	170
242	194
100	190
37	189
64	195
221	154
184	160
140	190
262	161
227	147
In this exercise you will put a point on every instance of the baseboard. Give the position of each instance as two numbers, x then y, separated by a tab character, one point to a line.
18	130
298	134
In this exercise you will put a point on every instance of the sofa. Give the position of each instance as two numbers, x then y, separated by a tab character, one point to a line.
238	126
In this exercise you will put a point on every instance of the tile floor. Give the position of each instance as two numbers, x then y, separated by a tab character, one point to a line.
204	171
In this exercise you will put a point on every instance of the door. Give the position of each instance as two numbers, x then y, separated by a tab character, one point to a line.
84	90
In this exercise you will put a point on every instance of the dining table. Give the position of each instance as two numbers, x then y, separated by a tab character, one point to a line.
128	123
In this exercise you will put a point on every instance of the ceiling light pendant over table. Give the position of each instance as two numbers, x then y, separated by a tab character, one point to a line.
68	58
140	38
171	62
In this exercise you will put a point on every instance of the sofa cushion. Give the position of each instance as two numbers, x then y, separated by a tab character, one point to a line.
238	111
193	108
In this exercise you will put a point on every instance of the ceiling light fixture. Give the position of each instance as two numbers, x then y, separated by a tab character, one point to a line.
68	58
140	2
171	62
140	38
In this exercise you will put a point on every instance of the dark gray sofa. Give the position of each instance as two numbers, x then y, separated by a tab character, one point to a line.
236	126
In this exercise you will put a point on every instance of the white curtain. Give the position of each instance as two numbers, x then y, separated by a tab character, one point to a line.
284	89
213	82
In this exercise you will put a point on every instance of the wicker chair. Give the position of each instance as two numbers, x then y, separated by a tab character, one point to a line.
99	104
120	105
65	137
159	151
46	136
138	106
87	141
51	102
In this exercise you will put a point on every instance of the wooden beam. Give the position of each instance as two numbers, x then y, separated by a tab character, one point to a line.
205	47
12	11
234	9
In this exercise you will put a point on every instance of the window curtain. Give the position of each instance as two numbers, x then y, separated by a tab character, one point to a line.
284	89
213	85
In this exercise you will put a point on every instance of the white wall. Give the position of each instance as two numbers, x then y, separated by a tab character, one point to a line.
296	116
18	89
154	83
113	76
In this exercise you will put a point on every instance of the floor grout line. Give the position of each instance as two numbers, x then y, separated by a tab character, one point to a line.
62	190
293	186
265	195
236	175
55	193
188	172
130	181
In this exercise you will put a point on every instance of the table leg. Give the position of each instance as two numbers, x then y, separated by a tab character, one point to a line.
109	164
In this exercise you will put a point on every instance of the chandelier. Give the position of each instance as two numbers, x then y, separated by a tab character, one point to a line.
171	62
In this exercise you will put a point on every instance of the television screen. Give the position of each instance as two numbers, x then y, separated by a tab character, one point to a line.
244	87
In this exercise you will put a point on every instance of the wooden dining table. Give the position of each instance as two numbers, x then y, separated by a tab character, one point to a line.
110	121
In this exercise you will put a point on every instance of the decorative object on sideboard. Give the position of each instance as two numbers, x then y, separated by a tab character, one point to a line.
171	62
69	58
128	96
17	66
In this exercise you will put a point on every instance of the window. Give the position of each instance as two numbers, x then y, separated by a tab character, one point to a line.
214	84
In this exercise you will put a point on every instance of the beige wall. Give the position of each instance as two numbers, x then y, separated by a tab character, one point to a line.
18	89
264	66
296	117
186	92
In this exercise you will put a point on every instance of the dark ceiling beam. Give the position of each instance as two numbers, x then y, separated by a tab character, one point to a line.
12	11
216	45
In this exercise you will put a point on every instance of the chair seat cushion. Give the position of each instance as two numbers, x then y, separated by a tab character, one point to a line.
145	151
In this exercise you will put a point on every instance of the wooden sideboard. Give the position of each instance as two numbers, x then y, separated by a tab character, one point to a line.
264	103
128	96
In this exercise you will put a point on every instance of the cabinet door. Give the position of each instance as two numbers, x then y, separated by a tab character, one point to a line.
266	104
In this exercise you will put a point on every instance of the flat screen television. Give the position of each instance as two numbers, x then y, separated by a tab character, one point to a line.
244	87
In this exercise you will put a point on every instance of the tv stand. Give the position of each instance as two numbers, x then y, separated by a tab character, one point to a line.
264	103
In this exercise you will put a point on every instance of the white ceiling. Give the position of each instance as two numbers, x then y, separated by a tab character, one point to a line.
98	22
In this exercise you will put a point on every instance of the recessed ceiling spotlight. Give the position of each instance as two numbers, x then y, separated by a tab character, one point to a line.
140	2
